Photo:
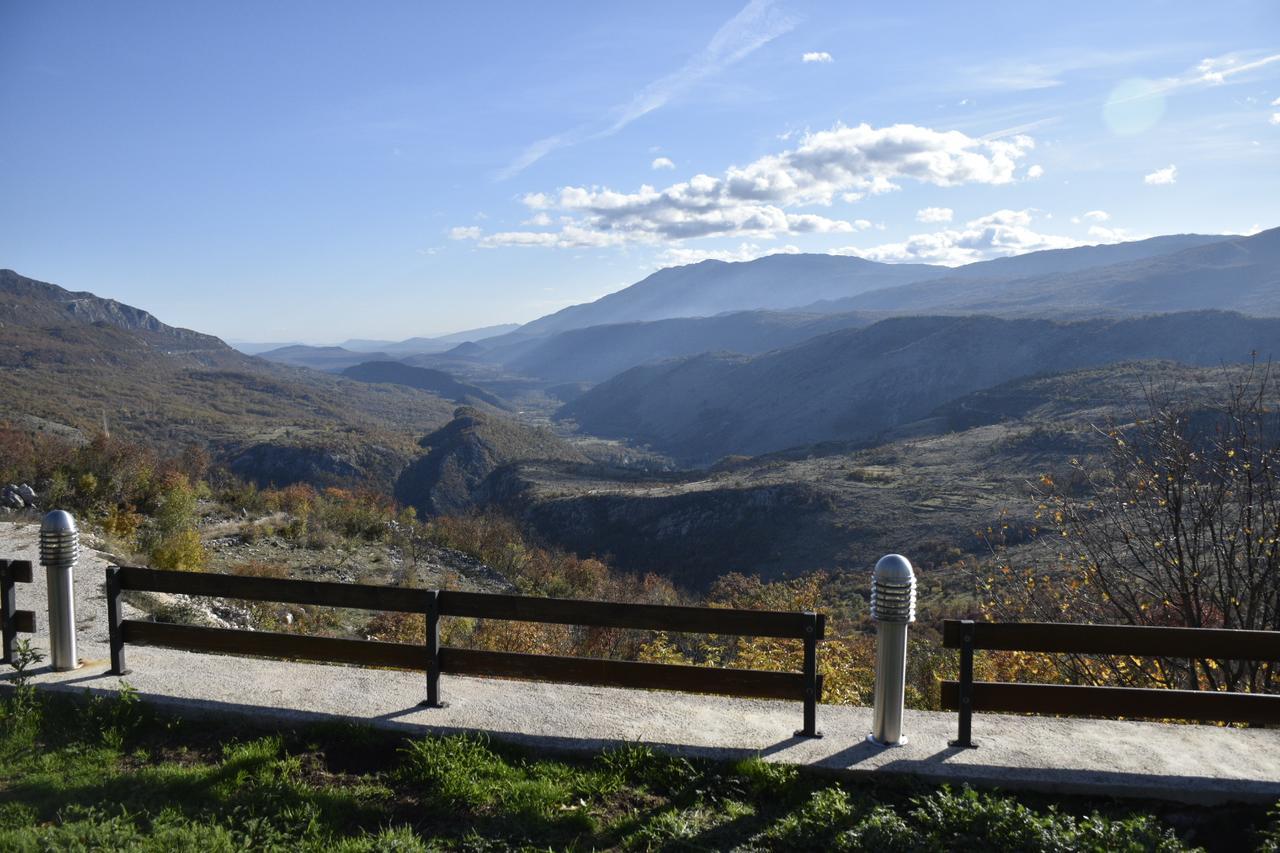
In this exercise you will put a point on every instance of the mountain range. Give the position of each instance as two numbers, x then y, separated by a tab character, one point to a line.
741	307
73	363
1239	274
1179	272
856	383
816	401
827	282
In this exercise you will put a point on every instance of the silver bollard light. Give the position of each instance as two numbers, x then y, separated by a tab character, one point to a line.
59	550
893	607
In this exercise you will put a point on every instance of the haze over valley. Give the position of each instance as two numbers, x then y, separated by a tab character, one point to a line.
827	417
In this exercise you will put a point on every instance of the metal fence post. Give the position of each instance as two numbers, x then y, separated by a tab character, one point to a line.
964	738
812	684
433	651
114	633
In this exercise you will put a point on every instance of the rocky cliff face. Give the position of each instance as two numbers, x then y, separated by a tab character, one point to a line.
693	537
37	303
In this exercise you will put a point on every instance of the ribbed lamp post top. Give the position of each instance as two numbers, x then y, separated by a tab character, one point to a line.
894	568
58	521
893	590
59	540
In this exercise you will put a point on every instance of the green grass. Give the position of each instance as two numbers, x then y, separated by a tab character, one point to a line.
111	774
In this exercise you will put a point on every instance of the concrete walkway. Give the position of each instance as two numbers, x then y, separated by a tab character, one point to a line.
1200	764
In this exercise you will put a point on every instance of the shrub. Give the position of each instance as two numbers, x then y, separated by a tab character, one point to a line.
181	550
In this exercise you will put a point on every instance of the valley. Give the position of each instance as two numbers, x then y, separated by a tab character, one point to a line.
710	419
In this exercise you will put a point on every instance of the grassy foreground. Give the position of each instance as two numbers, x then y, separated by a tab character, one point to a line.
111	774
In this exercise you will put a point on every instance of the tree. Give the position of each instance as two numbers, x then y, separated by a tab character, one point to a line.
1178	526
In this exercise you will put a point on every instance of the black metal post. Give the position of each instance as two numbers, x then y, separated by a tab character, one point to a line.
433	651
811	681
964	739
8	613
115	635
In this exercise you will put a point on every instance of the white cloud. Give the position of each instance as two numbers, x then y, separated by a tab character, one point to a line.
1005	232
540	219
465	232
662	163
817	56
752	201
934	214
1036	171
568	237
1218	69
755	25
1275	118
1091	216
862	224
1276	102
744	252
1167	175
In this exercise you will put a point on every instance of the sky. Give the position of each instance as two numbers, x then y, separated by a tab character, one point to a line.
309	171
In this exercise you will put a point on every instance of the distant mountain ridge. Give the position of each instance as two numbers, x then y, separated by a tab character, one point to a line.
598	352
329	359
439	343
1238	273
829	283
715	287
357	351
857	383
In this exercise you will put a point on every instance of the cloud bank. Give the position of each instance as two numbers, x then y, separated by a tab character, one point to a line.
1004	232
758	200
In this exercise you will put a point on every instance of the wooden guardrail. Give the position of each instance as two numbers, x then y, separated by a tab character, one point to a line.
435	659
967	695
12	620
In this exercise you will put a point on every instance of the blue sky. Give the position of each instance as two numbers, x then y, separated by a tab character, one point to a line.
312	171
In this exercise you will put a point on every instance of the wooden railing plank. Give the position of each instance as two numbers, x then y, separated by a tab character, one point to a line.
286	590
17	571
629	674
193	638
24	621
1143	641
615	673
603	614
609	614
1150	703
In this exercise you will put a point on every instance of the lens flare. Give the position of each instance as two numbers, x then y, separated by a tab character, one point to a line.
1134	106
